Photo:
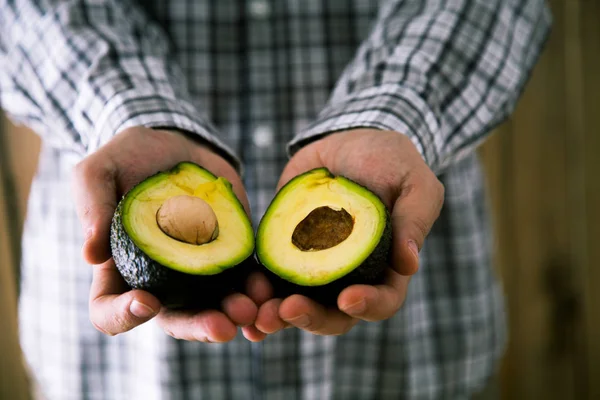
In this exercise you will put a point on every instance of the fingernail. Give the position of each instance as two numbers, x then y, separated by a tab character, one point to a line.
301	321
356	308
412	245
141	310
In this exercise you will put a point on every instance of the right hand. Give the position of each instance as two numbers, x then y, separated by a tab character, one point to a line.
99	182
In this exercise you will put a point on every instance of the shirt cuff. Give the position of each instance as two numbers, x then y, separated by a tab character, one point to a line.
146	107
387	107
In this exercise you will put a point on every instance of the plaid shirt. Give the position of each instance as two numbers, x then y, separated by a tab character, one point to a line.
268	75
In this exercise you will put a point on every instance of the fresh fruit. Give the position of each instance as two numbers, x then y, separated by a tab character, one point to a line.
178	235
322	233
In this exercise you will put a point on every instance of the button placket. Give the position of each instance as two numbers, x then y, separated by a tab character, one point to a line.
262	136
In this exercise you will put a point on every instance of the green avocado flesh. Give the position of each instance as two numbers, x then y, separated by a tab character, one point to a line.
323	229
180	273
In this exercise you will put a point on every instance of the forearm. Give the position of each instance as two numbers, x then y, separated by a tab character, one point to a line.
79	72
443	73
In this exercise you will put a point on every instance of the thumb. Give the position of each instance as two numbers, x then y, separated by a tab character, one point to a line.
113	308
414	212
95	194
304	160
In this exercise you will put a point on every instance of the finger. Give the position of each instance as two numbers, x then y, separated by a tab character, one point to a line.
95	198
258	288
240	309
253	334
304	160
414	212
310	316
375	303
208	326
238	189
206	157
111	310
268	320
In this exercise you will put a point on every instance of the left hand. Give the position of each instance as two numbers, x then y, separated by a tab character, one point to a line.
389	165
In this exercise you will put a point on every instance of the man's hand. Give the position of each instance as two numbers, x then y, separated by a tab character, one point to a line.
388	164
99	182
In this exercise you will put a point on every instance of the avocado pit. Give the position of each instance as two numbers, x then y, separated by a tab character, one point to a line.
188	219
323	228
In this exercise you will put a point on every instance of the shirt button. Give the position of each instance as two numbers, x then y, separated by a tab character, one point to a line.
262	136
260	8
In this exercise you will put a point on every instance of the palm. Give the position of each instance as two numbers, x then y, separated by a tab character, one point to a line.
364	158
388	164
99	181
156	151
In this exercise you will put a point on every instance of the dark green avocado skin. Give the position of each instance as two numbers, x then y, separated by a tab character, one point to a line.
370	272
173	288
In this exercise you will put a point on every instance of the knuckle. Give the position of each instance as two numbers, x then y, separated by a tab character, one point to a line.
171	333
314	324
347	326
205	339
101	328
96	318
87	210
88	169
121	323
198	332
407	189
422	226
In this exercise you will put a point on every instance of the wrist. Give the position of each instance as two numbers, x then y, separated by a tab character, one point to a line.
199	143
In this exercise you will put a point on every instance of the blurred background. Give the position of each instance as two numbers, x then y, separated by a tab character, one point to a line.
545	196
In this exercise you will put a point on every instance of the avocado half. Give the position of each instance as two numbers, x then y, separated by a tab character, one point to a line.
322	233
178	273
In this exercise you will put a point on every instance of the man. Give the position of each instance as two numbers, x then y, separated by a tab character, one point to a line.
121	89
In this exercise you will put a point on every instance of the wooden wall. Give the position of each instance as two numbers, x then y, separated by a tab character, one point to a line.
18	155
544	178
13	381
543	167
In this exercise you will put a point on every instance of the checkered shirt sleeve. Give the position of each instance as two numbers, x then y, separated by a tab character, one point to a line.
442	72
79	72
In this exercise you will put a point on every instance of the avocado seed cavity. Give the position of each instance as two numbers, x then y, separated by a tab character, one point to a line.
188	219
322	229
